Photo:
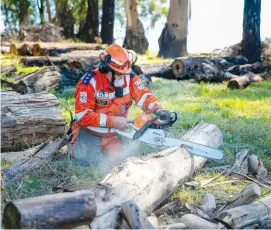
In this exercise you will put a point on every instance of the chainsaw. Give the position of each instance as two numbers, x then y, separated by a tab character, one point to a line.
154	131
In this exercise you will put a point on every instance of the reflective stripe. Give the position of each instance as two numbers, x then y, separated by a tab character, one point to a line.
151	105
140	103
79	115
93	83
126	90
103	118
107	95
102	130
113	59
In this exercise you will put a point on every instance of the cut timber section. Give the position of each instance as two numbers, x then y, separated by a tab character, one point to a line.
246	215
149	181
63	210
28	120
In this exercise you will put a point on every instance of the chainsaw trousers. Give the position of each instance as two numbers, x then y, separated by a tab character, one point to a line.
89	149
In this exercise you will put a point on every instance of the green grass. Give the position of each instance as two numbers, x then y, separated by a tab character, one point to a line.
244	117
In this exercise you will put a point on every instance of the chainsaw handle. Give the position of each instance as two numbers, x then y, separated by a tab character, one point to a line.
141	131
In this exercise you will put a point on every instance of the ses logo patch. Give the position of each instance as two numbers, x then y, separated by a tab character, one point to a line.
139	85
83	97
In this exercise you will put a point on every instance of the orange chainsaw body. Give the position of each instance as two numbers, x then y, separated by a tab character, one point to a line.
141	119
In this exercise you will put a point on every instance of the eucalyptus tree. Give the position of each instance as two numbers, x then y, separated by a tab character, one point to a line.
107	24
251	41
173	39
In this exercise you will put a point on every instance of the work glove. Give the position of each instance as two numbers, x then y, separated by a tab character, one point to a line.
162	113
120	123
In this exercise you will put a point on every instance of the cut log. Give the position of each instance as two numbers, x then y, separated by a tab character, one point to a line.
183	66
149	181
82	62
49	78
42	155
23	49
7	69
28	120
256	68
194	222
56	48
5	49
241	163
162	70
245	196
63	210
245	215
244	80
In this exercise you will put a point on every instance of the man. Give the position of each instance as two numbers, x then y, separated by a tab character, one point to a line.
102	100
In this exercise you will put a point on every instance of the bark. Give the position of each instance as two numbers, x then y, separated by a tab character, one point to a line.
41	156
251	41
5	49
28	120
23	13
63	210
90	29
41	10
49	78
244	80
257	68
72	61
194	222
157	70
64	18
6	70
149	181
107	30
173	39
135	38
48	11
55	49
183	66
245	196
246	215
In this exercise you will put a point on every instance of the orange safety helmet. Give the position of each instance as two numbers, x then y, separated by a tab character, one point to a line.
115	58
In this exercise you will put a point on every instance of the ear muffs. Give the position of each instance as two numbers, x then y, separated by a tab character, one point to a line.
103	66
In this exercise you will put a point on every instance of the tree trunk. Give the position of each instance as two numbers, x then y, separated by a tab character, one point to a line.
107	30
135	38
64	18
173	39
64	210
90	29
23	13
48	11
41	11
246	215
149	181
251	41
244	81
29	119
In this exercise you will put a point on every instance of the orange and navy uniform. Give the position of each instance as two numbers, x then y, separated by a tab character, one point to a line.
96	104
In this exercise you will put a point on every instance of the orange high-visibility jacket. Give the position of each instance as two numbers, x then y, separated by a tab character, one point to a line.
96	104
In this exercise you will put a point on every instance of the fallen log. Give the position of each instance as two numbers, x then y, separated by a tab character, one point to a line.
256	68
22	49
42	155
194	222
163	70
28	120
244	80
5	49
57	48
151	180
183	66
7	69
246	215
63	210
245	196
87	63
49	78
